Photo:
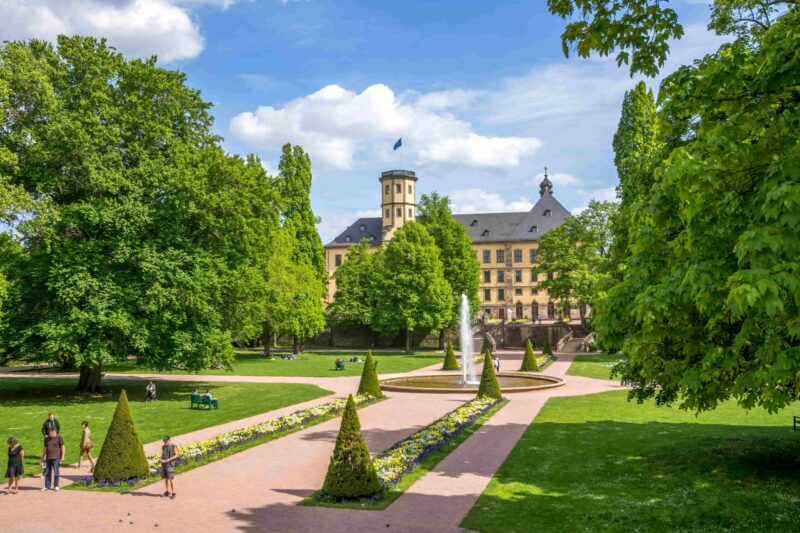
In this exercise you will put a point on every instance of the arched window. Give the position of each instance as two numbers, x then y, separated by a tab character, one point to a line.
547	212
485	233
474	223
534	229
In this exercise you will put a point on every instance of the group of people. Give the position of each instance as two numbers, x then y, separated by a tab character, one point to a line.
55	450
53	454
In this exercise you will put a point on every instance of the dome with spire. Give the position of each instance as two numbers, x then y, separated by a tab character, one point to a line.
546	186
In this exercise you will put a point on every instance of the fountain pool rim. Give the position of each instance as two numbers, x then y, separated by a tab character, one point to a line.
387	385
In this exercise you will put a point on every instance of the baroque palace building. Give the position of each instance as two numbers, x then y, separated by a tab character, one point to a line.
505	243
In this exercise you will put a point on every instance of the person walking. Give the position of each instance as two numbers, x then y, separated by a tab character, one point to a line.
50	423
86	445
496	363
14	469
52	455
169	454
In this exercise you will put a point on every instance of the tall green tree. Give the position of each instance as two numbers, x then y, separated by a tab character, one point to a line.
461	267
353	304
411	292
712	282
146	238
574	256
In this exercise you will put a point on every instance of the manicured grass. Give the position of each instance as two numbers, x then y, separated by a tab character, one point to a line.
594	365
600	463
425	466
308	364
24	404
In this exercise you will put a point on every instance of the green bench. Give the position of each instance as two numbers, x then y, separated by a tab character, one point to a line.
203	401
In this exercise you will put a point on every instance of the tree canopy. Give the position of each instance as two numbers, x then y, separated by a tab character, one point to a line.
353	304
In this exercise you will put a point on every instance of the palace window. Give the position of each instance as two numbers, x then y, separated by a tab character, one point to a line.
409	213
487	294
501	294
399	211
474	223
547	212
487	256
501	276
372	237
388	190
517	291
518	276
487	276
550	276
534	291
518	256
534	255
533	276
409	189
338	260
399	189
387	213
501	256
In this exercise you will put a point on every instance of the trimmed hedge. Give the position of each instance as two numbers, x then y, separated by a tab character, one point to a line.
369	378
450	361
487	344
122	456
547	350
351	474
529	362
489	387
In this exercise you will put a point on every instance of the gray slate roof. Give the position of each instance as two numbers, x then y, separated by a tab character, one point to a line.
488	227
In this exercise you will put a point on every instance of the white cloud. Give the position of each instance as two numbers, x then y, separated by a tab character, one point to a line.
335	124
332	224
477	200
141	28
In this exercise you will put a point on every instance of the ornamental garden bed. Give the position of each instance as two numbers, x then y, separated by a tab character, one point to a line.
226	444
408	460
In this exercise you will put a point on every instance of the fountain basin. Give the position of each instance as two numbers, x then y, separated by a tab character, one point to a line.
450	383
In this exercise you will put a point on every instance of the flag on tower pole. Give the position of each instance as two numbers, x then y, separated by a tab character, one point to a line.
399	144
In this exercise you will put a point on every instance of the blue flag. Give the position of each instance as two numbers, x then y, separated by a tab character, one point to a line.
399	143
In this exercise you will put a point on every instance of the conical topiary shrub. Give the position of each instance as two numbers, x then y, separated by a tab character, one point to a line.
489	386
487	344
369	378
351	474
546	349
122	456
450	361
529	362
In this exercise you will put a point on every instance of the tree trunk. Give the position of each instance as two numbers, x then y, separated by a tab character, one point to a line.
266	340
408	340
441	338
91	379
295	345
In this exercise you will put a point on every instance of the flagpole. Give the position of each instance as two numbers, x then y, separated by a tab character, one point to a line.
401	156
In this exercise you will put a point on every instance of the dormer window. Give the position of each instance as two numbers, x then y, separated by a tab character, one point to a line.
485	233
347	238
361	227
547	212
372	237
534	229
474	223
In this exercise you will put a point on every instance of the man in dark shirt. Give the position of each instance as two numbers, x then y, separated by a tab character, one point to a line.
52	455
169	454
50	423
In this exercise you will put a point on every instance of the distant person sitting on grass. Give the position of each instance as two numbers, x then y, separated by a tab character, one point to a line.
14	469
50	424
52	455
86	445
169	454
339	364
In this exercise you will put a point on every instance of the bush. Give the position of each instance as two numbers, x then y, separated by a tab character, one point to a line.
450	361
351	474
369	378
529	362
489	387
122	456
546	349
487	344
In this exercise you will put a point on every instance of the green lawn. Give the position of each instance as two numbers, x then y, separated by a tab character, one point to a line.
306	365
600	463
24	404
593	365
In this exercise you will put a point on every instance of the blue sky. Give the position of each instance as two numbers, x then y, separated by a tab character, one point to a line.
479	90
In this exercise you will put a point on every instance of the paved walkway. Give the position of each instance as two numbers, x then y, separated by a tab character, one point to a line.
257	490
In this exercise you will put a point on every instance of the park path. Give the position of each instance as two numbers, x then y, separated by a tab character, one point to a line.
258	489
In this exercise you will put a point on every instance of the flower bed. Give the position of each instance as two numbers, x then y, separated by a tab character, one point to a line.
240	437
400	459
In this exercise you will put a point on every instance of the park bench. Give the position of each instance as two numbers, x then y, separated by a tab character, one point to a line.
796	421
203	401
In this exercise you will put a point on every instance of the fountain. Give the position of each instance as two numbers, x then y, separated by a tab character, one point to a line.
468	380
467	359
